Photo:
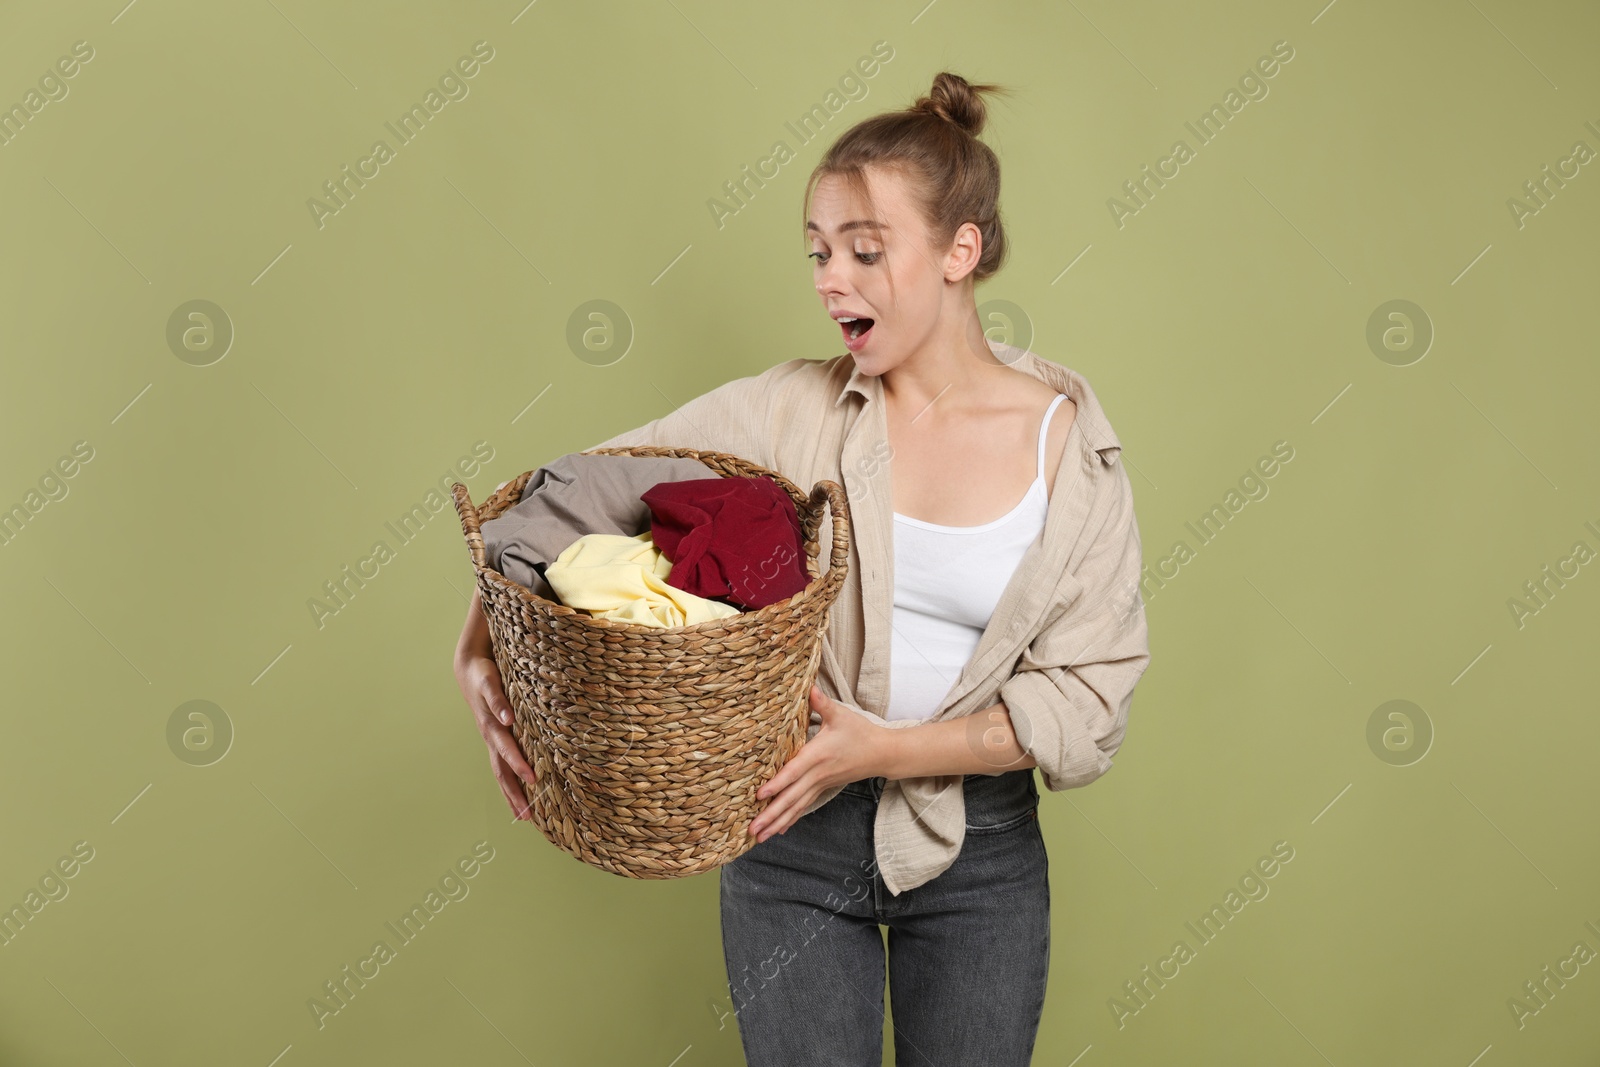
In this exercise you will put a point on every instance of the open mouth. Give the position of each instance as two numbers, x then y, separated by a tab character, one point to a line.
855	331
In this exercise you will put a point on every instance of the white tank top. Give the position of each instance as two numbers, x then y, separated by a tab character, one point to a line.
947	582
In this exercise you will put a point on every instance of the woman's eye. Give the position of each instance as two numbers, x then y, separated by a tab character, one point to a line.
868	258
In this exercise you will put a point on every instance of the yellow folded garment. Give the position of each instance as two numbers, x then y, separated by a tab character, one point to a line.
615	577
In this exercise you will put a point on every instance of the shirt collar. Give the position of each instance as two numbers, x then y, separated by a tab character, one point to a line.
1091	418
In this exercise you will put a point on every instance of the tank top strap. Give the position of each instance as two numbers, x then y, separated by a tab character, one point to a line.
1044	427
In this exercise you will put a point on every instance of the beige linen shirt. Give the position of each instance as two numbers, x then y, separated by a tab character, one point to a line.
1068	639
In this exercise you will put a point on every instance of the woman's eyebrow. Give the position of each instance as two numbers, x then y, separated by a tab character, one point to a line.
853	224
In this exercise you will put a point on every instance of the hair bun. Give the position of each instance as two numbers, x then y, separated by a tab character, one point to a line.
957	101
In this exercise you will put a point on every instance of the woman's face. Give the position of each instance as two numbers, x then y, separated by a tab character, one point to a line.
852	266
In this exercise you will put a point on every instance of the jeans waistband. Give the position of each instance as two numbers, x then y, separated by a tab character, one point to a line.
979	790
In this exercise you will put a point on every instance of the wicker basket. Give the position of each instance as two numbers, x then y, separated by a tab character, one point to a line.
649	742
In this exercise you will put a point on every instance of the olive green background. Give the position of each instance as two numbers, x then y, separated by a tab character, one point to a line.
432	312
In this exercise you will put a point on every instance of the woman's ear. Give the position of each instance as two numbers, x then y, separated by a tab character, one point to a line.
966	248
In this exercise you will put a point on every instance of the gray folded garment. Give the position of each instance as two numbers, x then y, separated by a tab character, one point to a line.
575	495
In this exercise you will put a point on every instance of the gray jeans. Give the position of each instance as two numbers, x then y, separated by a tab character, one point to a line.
968	952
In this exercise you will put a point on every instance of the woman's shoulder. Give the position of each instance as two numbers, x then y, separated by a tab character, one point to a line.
822	374
1089	415
796	389
757	394
797	373
1051	373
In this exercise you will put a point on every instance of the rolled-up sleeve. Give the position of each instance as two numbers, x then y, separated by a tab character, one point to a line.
876	720
734	417
1071	689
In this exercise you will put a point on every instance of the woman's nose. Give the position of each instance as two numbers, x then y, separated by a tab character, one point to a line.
828	277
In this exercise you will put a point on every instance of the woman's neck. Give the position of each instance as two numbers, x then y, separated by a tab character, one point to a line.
955	361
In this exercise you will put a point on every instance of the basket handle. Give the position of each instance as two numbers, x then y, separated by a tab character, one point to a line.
469	524
492	507
840	507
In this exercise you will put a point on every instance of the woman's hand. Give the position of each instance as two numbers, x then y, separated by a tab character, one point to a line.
479	678
847	748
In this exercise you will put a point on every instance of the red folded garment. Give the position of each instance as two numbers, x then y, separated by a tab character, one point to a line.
736	539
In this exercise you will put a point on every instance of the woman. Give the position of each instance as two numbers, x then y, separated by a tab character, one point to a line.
993	607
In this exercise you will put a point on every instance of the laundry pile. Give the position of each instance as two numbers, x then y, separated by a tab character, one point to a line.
651	540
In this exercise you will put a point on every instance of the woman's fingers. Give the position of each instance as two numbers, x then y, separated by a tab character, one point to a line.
493	694
505	746
780	791
509	786
481	688
494	719
481	684
783	809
